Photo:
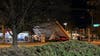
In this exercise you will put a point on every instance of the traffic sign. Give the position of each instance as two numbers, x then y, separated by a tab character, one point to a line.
96	25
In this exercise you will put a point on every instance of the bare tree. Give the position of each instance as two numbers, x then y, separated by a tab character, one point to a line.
21	14
14	19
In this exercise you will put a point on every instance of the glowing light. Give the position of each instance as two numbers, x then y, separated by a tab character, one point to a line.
96	25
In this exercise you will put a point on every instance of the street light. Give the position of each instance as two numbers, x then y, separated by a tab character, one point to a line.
65	24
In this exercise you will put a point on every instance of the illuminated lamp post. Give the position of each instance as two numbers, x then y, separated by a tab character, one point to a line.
65	24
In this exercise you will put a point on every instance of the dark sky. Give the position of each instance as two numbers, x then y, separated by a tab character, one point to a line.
76	10
79	13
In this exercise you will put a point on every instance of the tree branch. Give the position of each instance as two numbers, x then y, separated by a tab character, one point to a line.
25	13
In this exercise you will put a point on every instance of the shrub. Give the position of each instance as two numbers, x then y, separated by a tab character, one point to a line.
69	48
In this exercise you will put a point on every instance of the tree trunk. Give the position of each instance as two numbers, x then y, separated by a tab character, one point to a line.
14	43
89	35
3	31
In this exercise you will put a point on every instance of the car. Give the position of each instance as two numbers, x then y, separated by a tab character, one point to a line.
60	38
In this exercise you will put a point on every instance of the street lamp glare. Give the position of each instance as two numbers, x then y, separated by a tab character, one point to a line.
65	23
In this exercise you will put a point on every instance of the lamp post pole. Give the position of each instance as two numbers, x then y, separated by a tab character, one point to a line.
92	18
92	13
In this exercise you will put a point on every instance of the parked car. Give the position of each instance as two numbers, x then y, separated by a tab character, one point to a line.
60	38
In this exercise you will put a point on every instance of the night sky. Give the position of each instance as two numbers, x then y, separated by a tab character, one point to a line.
80	14
75	10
